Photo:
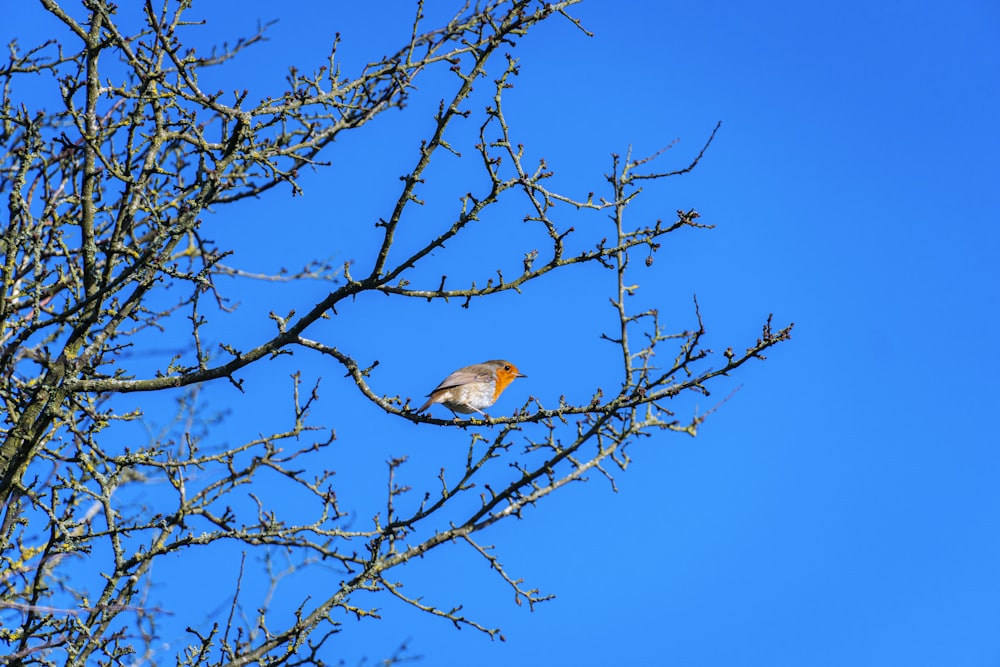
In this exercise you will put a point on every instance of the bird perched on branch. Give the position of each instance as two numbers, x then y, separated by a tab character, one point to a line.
474	388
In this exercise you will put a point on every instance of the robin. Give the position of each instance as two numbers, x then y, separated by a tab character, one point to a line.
474	387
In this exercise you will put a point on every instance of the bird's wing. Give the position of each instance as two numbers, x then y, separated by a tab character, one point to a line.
464	376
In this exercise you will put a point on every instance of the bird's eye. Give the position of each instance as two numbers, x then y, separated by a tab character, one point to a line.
506	368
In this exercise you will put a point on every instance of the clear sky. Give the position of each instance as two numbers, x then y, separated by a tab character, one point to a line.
842	508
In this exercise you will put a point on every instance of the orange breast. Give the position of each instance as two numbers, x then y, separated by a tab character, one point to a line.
504	378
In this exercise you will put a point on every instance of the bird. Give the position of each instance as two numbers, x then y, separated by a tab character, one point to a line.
473	388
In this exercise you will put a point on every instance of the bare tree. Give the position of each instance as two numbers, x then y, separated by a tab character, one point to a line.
104	244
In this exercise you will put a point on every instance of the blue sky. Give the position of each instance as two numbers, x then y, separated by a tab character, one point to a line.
842	507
